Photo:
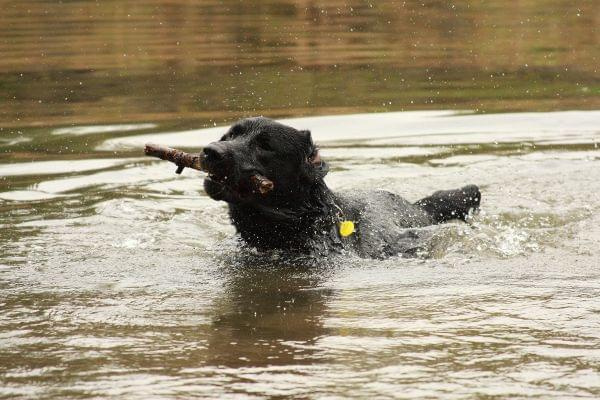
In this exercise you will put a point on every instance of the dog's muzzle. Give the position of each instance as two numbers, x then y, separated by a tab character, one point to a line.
225	181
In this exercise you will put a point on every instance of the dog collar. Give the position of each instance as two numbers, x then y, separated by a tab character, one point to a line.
345	227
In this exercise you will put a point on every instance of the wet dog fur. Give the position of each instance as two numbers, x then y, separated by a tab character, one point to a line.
301	214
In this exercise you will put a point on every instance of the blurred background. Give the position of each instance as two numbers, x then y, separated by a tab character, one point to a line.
195	63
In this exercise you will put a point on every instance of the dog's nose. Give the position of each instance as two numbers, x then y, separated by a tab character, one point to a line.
213	153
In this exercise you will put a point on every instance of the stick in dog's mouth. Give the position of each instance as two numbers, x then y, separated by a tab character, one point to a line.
261	184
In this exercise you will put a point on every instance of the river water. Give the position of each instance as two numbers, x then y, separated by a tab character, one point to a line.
119	278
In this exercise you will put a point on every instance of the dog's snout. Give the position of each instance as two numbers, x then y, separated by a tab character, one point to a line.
214	153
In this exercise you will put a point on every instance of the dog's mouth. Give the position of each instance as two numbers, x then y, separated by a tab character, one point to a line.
218	179
217	184
223	187
218	188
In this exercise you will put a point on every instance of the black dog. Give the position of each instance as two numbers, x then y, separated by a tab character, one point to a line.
301	213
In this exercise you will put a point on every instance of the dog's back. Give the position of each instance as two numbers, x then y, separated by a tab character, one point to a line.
301	213
386	224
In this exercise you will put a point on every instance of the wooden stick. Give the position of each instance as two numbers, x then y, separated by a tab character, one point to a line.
178	157
262	184
195	161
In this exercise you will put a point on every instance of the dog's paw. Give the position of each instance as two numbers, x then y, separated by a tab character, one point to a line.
471	196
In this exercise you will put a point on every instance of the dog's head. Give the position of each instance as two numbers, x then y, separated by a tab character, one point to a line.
261	147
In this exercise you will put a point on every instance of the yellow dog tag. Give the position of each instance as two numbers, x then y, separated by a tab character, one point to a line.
346	228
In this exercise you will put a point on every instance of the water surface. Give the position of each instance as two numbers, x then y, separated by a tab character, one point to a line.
122	278
184	61
119	278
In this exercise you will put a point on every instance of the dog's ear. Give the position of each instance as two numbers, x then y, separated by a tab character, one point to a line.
306	139
319	167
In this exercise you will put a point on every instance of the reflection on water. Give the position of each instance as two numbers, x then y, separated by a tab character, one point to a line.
271	316
119	278
81	61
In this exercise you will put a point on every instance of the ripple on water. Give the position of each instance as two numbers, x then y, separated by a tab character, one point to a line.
128	283
90	129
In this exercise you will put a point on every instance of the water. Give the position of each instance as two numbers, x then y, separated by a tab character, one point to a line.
122	278
119	278
84	62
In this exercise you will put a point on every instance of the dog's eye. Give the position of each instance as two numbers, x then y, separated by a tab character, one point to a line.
264	143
